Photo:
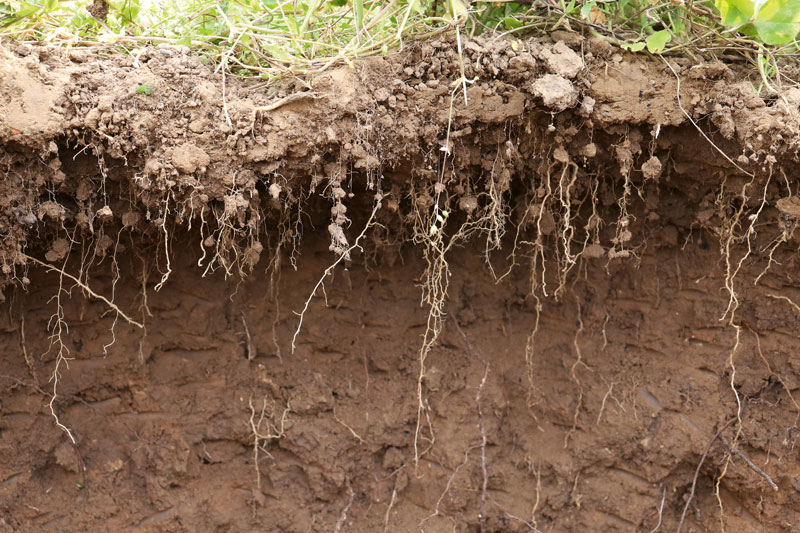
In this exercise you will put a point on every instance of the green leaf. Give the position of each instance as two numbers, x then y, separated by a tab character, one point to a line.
457	8
656	42
778	21
735	12
634	47
144	89
586	9
511	23
26	10
129	10
358	11
279	53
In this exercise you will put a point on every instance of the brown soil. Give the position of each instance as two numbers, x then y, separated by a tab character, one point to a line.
598	334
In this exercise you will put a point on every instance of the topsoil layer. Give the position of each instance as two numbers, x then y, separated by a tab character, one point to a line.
365	301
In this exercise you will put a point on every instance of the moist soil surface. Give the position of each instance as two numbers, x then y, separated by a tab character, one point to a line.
545	286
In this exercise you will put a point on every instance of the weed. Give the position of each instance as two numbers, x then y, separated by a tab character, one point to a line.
273	38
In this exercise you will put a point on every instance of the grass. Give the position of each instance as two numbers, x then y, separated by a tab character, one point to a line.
270	38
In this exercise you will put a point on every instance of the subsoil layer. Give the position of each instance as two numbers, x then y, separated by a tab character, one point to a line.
554	294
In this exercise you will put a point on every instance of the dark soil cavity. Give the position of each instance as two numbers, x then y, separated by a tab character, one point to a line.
598	333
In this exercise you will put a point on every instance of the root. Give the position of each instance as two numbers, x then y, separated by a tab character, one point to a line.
530	526
751	465
697	472
785	236
738	419
660	511
493	222
58	327
698	128
294	97
605	335
786	298
25	355
538	495
609	394
568	230
481	426
775	374
366	397
481	444
578	361
274	430
448	485
788	227
537	245
165	275
85	288
730	236
348	427
389	511
434	294
530	346
328	271
286	235
343	515
249	347
143	307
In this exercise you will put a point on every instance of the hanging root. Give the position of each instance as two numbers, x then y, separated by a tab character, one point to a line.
566	182
431	233
58	327
538	259
660	511
729	235
328	271
84	287
578	362
164	216
530	351
437	278
697	472
274	428
481	425
775	374
479	445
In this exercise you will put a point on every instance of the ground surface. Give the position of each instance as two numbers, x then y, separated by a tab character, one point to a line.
637	364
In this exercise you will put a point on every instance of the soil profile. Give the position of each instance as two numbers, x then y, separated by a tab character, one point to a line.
545	286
